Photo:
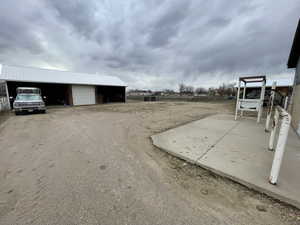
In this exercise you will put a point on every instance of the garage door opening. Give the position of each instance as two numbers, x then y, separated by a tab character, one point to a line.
108	94
83	94
55	94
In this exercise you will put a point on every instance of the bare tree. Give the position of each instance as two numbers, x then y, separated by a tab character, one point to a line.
201	90
169	91
226	90
212	91
181	88
187	90
221	90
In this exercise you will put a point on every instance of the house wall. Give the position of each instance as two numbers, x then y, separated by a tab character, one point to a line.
296	100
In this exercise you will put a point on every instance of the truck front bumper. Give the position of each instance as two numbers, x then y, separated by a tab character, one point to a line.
30	109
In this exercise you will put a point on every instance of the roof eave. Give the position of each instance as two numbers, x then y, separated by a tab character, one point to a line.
53	82
295	50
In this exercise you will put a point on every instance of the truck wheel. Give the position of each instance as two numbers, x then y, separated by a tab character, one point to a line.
17	113
43	111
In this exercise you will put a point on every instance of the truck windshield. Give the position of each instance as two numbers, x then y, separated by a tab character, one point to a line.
28	91
28	97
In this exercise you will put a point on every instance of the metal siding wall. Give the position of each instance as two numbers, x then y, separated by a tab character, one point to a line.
296	100
83	95
297	75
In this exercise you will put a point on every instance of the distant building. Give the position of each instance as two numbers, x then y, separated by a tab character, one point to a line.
138	92
294	62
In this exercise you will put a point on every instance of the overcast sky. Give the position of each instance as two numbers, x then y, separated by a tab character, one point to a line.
152	44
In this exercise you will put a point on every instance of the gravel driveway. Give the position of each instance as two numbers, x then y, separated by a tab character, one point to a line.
97	165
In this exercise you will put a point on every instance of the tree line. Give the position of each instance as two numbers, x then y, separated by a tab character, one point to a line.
222	90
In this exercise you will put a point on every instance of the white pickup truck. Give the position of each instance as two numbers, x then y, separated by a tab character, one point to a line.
28	100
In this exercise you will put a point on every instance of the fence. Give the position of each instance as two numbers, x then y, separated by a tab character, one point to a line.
171	98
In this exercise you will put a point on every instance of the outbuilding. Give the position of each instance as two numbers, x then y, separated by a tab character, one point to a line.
63	87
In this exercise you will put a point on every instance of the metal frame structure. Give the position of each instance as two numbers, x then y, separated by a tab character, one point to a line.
254	105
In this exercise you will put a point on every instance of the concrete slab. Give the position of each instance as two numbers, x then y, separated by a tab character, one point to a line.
237	150
183	142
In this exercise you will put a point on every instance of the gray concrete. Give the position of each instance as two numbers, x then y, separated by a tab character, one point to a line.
238	150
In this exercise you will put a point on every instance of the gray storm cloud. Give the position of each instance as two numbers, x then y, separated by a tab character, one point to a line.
151	44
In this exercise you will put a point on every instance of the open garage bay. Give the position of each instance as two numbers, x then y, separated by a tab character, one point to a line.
68	94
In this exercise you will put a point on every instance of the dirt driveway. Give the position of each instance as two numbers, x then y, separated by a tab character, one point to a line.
96	165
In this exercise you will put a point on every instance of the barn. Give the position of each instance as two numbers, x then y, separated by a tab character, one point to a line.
63	87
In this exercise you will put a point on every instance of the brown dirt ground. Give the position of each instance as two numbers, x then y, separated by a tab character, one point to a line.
53	177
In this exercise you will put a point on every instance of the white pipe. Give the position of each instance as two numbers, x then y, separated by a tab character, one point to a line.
282	139
267	127
237	100
286	100
270	108
273	131
244	95
262	96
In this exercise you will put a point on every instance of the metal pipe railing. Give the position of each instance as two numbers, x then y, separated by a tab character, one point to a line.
286	101
285	118
270	106
273	130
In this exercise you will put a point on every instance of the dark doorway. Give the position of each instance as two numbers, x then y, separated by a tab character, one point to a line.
55	94
107	94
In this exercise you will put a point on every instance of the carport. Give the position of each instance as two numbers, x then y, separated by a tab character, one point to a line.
53	94
63	87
